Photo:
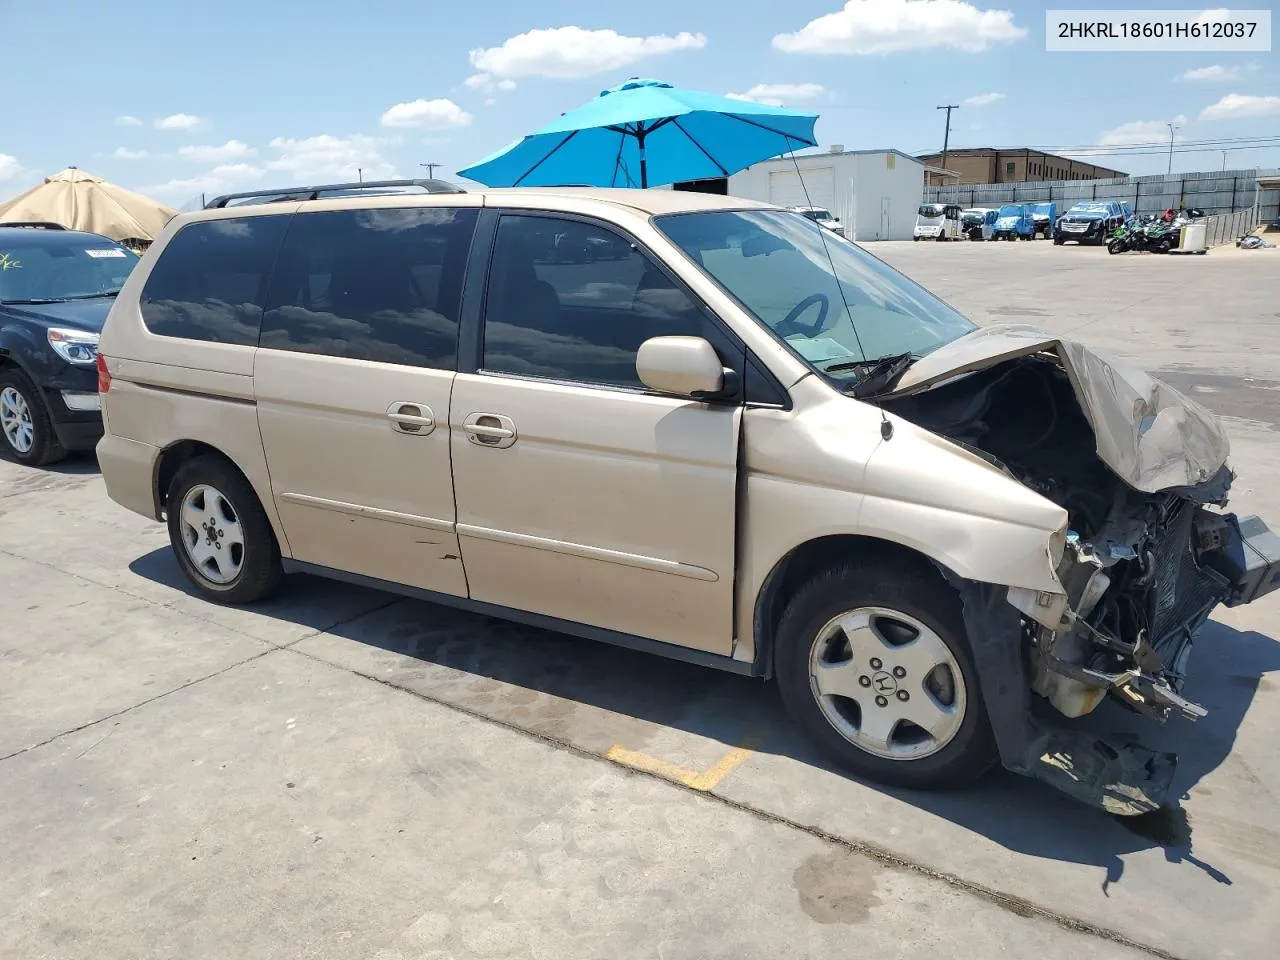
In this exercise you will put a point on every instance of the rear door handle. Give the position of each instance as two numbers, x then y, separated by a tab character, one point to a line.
412	418
490	430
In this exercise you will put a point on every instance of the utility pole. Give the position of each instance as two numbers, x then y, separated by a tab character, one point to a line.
1224	160
946	137
431	169
1172	128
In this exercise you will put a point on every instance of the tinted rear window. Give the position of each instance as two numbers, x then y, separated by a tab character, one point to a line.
381	285
210	282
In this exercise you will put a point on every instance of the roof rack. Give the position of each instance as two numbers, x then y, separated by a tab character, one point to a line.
337	189
35	225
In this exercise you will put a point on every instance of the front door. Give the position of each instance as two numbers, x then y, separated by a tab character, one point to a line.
580	495
884	219
353	377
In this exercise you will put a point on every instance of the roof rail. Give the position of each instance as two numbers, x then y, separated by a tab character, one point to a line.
35	224
316	192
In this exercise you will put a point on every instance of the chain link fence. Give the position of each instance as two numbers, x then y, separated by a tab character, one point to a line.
1214	192
1229	227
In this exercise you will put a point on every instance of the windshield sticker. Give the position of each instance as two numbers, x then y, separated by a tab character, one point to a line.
820	349
8	262
105	252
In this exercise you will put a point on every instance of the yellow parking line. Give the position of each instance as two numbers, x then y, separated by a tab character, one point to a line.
705	780
709	778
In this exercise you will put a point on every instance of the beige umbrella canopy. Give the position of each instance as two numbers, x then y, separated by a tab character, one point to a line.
80	201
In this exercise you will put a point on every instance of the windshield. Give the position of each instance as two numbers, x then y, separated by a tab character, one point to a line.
930	210
61	270
1008	210
1089	208
816	214
777	265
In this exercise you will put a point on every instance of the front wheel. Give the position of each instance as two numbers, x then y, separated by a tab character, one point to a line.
874	666
24	421
1115	246
220	533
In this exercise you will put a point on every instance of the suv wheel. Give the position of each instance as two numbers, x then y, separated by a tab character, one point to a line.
220	533
873	664
24	421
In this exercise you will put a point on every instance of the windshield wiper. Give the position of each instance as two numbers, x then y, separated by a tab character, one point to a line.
92	296
37	300
873	376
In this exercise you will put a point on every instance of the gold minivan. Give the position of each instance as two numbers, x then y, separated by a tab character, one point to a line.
694	425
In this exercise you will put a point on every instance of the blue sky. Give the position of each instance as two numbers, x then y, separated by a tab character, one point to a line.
176	98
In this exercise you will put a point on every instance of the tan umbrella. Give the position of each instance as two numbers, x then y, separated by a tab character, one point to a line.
80	201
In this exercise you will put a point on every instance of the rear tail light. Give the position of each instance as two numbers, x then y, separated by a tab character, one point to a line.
104	375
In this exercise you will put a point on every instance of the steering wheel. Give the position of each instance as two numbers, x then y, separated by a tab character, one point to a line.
788	325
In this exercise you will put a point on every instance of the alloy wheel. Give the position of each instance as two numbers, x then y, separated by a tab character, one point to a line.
212	534
16	421
887	683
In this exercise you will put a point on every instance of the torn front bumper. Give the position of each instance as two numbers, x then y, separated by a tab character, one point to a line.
1232	561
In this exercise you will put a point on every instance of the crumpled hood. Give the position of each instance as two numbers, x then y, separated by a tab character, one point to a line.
1153	437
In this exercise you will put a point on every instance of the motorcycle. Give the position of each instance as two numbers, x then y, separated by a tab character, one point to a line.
1144	234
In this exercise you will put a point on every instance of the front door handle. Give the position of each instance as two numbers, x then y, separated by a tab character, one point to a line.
490	430
414	419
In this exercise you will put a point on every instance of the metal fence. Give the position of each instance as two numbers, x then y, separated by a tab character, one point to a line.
1214	192
1228	227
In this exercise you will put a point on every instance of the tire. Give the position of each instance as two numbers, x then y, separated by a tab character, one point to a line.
1115	246
905	600
916	239
25	427
1164	246
1058	241
208	490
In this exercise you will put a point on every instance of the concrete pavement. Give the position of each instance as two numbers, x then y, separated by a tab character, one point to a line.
342	773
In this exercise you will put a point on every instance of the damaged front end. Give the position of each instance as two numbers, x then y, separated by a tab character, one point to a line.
1149	552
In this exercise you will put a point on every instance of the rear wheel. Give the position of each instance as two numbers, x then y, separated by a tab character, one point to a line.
873	665
24	421
220	533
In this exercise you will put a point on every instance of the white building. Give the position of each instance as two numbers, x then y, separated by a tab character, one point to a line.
873	193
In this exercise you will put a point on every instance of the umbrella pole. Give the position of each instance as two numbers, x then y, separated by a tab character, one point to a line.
644	167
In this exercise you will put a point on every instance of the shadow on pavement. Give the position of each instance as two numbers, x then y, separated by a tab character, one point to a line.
484	658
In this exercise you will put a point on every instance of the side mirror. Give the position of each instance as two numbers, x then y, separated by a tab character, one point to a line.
683	366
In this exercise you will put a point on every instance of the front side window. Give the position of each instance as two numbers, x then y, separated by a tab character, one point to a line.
45	267
382	285
211	280
829	300
573	301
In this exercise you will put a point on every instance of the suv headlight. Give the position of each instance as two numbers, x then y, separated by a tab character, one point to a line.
74	346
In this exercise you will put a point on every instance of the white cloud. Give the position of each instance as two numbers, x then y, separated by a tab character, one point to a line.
780	94
124	153
127	121
981	100
217	153
568	53
426	113
10	167
486	84
326	158
179	121
221	179
890	26
1140	132
1236	106
1214	73
489	102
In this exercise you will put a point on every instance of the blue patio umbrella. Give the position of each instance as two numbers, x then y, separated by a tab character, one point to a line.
646	132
